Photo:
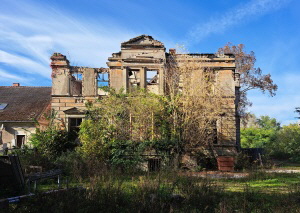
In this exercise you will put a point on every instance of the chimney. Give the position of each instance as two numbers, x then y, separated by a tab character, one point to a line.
172	51
16	84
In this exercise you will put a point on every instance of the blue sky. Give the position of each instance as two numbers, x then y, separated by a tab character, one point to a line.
89	31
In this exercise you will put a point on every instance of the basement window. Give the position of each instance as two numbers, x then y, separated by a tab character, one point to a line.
2	106
154	165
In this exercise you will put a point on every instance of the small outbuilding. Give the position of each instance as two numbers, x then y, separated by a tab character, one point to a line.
21	108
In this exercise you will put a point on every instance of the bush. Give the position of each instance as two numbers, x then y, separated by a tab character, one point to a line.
52	142
32	157
287	143
73	165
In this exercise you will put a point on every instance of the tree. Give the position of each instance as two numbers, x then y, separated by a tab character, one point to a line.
196	102
297	111
257	137
122	126
251	77
249	121
287	143
261	134
266	122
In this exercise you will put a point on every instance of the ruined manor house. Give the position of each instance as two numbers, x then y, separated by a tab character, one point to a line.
141	62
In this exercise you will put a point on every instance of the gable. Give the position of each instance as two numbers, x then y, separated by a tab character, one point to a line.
75	111
143	41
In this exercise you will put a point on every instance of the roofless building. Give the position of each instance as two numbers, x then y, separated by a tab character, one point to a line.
141	62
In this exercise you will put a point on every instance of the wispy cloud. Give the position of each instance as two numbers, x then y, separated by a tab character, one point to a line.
29	35
238	15
6	75
26	64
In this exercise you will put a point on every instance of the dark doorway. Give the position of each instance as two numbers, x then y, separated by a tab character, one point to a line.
154	165
20	140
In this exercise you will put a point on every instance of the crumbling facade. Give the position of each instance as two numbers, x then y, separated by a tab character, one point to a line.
142	62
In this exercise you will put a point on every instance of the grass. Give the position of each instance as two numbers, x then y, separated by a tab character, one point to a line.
289	166
168	191
262	182
115	192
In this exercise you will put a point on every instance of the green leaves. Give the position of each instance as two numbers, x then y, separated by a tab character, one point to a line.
257	137
279	142
120	127
52	142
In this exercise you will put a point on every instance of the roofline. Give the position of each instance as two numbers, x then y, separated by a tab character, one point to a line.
17	121
216	54
28	86
44	110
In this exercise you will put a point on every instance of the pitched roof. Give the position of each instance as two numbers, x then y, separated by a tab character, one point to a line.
23	103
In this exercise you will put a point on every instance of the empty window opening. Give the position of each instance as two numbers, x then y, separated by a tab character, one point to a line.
102	79
215	136
74	124
214	132
76	84
134	80
133	74
78	76
20	140
2	106
152	77
154	164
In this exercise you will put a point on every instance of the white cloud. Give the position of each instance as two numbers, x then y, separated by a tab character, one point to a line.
26	64
244	12
29	36
5	75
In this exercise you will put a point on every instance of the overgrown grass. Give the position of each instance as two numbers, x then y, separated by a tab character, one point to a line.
170	192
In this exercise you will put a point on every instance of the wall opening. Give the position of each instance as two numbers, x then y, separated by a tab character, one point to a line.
152	77
74	124
20	141
102	79
134	80
154	164
76	84
77	76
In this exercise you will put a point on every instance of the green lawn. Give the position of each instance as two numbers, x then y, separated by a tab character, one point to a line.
262	182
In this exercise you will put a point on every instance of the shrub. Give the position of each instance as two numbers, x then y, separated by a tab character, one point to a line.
73	165
52	142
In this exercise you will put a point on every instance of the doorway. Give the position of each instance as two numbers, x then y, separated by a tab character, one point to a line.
20	140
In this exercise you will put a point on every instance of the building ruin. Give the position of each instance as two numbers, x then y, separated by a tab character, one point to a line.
141	62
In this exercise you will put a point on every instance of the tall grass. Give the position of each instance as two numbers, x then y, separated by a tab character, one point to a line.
160	192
